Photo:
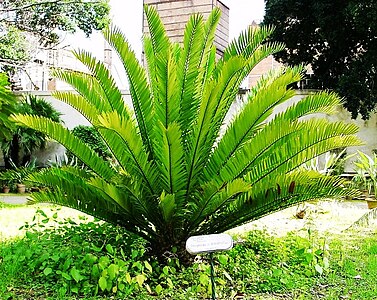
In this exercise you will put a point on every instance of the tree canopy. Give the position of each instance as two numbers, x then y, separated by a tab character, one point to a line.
27	22
338	38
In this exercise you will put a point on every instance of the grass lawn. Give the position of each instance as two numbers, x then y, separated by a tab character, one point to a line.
285	258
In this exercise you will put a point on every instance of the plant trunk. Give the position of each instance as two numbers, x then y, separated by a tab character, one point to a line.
15	150
164	249
26	158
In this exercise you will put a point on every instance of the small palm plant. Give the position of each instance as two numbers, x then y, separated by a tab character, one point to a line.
177	170
366	167
24	141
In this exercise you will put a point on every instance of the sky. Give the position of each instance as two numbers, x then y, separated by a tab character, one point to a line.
127	14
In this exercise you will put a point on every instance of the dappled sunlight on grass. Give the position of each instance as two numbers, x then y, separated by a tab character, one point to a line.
12	217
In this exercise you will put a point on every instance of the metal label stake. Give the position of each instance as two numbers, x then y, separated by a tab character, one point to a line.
209	244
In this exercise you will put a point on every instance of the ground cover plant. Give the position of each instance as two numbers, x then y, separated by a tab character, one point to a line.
65	259
175	170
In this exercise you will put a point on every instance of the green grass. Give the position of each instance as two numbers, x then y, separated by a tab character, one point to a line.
6	205
65	258
355	272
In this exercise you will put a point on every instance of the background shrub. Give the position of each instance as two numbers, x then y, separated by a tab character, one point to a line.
92	138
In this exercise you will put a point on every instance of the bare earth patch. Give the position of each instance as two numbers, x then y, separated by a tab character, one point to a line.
12	218
324	216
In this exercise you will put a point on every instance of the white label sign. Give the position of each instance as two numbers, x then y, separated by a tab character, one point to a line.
209	243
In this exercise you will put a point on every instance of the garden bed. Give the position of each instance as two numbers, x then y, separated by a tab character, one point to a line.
275	263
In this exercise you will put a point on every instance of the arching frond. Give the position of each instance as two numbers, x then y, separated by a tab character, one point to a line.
259	105
188	69
159	38
214	197
248	41
288	147
171	156
86	85
139	89
62	135
204	132
167	104
284	191
78	102
134	159
106	81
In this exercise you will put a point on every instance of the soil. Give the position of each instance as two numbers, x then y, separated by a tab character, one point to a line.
332	216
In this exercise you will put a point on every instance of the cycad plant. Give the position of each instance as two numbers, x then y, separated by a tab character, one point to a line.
177	169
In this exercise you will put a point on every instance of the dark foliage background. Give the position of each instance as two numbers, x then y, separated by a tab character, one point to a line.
338	38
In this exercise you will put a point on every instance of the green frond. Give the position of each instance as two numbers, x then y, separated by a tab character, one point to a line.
168	206
59	197
205	131
209	38
259	105
257	56
86	85
251	45
167	101
283	192
137	206
78	102
59	178
321	102
173	174
206	126
139	89
204	77
261	53
134	159
188	69
93	191
112	193
114	143
106	81
293	143
214	197
282	155
159	38
151	67
248	41
62	135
